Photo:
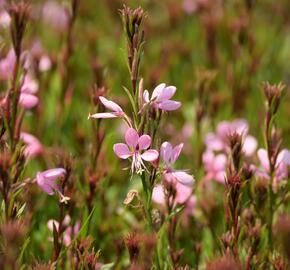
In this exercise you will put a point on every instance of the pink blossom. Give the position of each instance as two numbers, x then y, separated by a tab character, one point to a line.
133	147
55	15
170	155
33	146
7	65
5	19
218	141
161	98
27	98
215	166
282	166
114	107
46	180
182	193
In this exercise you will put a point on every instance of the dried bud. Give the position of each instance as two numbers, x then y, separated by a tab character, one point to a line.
132	242
236	142
246	173
132	194
273	95
19	13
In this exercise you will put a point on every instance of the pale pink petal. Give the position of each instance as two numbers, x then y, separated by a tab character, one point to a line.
250	145
131	137
166	151
183	177
166	93
284	156
122	150
110	104
214	142
150	155
169	105
182	193
104	115
220	177
157	91
146	96
224	128
28	101
263	157
158	195
144	142
44	63
220	162
50	224
30	86
240	126
54	173
176	152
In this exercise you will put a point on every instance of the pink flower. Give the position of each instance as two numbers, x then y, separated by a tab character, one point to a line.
114	107
5	19
33	146
55	15
215	166
183	193
7	65
170	155
46	180
218	141
133	147
27	98
282	166
161	98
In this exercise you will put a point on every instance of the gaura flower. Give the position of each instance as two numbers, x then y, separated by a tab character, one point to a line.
133	147
117	111
170	155
219	141
33	146
46	180
7	65
161	96
182	193
282	166
215	166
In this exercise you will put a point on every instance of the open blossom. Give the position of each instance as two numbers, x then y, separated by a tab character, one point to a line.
170	155
161	96
215	166
111	105
133	148
33	146
282	166
219	141
182	193
46	180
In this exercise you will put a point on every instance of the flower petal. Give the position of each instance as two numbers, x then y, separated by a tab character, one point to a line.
166	151
110	104
183	177
104	115
249	145
182	193
166	94
53	173
263	157
131	137
122	150
169	105
176	152
150	155
144	142
146	96
158	195
157	91
28	101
